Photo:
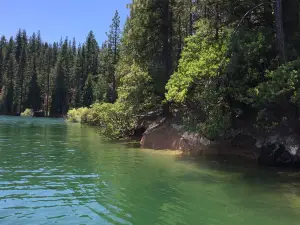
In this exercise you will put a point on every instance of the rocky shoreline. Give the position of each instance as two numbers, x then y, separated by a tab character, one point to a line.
273	149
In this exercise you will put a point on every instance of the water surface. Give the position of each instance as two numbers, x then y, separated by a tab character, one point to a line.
52	172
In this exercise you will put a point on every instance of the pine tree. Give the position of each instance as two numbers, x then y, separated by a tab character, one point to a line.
34	94
148	40
21	58
88	94
82	72
55	53
92	55
72	75
10	49
59	105
8	88
79	75
35	73
49	62
114	37
44	75
2	63
105	71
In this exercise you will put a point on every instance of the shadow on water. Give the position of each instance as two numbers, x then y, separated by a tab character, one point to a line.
248	171
233	172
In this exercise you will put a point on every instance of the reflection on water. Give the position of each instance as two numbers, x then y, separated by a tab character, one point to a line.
53	172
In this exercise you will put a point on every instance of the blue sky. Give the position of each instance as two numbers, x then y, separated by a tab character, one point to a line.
60	18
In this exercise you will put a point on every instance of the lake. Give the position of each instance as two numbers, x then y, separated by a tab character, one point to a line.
52	172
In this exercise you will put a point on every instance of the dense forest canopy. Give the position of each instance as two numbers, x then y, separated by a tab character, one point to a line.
216	65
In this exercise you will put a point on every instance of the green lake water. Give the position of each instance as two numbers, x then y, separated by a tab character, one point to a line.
52	172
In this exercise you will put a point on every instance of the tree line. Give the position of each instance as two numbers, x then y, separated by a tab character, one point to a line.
53	77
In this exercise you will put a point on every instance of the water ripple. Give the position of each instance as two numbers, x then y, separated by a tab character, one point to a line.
57	173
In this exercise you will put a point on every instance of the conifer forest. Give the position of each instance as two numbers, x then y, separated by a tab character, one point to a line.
215	65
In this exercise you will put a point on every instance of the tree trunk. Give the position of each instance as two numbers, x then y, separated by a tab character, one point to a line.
48	92
217	21
179	41
279	30
167	51
21	96
114	97
268	17
167	44
191	29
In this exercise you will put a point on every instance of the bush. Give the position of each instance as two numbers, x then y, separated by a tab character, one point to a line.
277	99
27	112
115	120
75	115
84	115
282	83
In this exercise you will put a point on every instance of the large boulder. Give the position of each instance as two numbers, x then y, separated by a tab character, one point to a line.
271	150
164	134
279	150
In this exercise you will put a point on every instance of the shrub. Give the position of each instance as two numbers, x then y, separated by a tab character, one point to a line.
75	115
278	97
282	83
27	112
115	120
84	115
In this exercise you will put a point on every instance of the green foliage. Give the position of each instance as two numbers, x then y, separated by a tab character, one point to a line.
92	55
150	40
88	95
27	113
277	97
8	88
77	115
114	120
119	120
34	92
2	56
62	72
201	61
251	55
136	89
195	82
100	88
217	123
282	83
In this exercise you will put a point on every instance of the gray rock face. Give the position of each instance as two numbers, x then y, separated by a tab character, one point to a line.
277	150
196	139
